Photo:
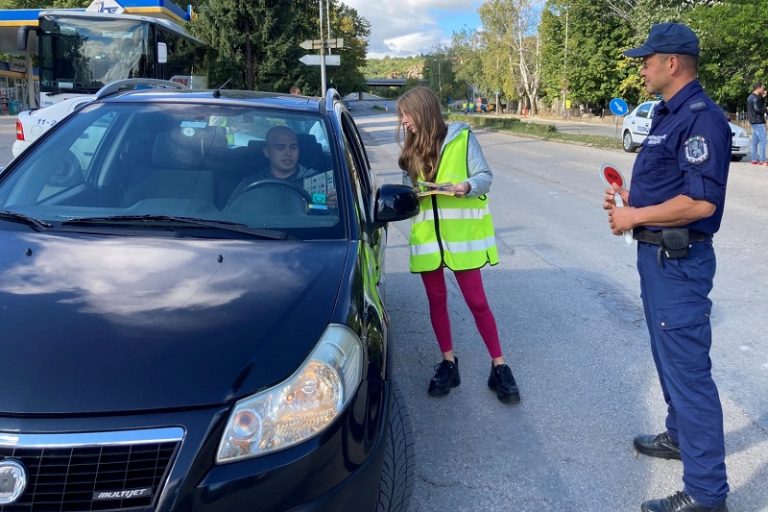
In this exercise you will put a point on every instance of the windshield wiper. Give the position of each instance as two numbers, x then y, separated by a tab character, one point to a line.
270	234
9	215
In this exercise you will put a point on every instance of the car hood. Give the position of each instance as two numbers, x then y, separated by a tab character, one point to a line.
95	324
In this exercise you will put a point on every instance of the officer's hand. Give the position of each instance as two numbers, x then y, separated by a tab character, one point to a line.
621	219
611	191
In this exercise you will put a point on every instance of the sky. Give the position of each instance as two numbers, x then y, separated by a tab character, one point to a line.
402	28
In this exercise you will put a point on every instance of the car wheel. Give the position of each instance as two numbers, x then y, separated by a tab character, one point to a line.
396	482
629	146
737	158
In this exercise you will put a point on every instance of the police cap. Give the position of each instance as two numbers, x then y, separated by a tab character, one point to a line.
667	38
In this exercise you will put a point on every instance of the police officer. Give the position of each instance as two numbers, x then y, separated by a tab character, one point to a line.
676	203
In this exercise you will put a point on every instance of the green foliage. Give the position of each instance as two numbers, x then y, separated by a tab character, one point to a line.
733	41
257	43
592	70
394	67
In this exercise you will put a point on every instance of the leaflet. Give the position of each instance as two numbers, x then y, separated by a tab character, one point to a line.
434	189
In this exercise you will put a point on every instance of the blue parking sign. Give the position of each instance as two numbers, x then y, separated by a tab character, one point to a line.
618	106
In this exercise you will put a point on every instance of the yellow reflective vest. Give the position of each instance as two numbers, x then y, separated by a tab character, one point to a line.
455	232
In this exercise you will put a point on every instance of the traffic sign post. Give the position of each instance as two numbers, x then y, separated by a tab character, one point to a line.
318	44
316	60
619	108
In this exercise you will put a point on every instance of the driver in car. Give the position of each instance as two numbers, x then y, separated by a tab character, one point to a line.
281	148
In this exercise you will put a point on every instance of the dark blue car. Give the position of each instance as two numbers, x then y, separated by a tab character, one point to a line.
181	328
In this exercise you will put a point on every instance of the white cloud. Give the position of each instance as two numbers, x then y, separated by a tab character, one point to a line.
401	28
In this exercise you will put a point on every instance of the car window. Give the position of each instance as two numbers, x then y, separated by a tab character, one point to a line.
362	176
262	168
645	110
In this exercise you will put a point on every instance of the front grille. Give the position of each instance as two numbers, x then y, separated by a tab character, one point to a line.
67	478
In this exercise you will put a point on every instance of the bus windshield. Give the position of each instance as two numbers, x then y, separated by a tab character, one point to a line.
80	56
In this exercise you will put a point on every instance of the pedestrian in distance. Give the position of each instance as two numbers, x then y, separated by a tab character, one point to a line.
453	230
675	205
756	114
295	90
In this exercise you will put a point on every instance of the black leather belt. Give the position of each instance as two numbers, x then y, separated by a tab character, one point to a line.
654	237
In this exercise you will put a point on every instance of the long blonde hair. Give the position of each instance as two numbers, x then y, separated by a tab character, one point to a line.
420	153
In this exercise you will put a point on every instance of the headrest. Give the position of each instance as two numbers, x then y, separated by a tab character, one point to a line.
310	151
186	148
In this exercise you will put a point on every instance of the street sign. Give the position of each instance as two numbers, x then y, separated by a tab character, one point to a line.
314	60
618	106
317	44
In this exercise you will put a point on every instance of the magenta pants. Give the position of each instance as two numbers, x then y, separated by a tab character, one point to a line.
471	285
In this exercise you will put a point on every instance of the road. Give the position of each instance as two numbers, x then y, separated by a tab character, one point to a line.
566	298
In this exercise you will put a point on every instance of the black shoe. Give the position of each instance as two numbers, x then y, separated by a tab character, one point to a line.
679	502
503	383
446	377
660	446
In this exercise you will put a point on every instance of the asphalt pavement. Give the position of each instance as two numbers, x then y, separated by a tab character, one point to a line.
566	299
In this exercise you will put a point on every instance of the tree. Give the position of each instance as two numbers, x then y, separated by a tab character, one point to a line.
257	43
255	40
509	34
733	43
588	66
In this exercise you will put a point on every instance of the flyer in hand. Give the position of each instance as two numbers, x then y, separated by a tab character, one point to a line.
433	189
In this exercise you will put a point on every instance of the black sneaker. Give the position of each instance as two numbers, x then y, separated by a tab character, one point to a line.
679	502
446	377
503	383
660	446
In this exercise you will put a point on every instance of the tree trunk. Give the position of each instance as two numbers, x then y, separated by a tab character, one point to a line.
250	71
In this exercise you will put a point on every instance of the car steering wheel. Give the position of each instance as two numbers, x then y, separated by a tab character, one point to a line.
280	185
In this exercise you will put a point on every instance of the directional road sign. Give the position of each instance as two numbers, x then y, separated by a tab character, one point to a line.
314	60
618	106
316	44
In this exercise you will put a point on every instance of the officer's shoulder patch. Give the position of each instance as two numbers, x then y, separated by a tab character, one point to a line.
697	149
698	106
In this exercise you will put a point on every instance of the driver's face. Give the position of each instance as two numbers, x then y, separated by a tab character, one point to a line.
282	150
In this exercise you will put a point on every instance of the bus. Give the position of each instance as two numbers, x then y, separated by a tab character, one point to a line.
79	52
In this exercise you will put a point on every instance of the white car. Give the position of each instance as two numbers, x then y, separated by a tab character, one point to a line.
637	124
31	124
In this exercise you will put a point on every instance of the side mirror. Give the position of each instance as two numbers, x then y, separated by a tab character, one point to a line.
395	202
22	35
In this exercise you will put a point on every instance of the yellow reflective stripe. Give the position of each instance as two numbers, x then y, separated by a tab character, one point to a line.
454	247
424	249
452	214
470	246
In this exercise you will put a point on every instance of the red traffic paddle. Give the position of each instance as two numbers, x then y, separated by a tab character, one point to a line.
610	175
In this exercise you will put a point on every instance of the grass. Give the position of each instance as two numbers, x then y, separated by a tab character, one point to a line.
536	130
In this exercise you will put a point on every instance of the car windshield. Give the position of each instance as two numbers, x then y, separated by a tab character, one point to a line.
256	168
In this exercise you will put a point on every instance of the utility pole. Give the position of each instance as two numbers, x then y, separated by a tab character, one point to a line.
565	62
322	53
328	21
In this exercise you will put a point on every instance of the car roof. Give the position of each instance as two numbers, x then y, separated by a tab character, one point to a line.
259	99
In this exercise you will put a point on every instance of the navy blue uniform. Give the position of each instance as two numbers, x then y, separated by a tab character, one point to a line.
687	152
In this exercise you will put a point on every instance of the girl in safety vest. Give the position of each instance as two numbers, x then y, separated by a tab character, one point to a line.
453	229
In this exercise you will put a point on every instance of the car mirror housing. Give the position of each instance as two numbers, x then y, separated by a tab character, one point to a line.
395	202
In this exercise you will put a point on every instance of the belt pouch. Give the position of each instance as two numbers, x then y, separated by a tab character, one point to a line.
674	242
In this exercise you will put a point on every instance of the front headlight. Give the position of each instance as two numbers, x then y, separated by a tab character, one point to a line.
300	407
742	134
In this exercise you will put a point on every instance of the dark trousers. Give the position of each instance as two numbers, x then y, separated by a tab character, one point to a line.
677	307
